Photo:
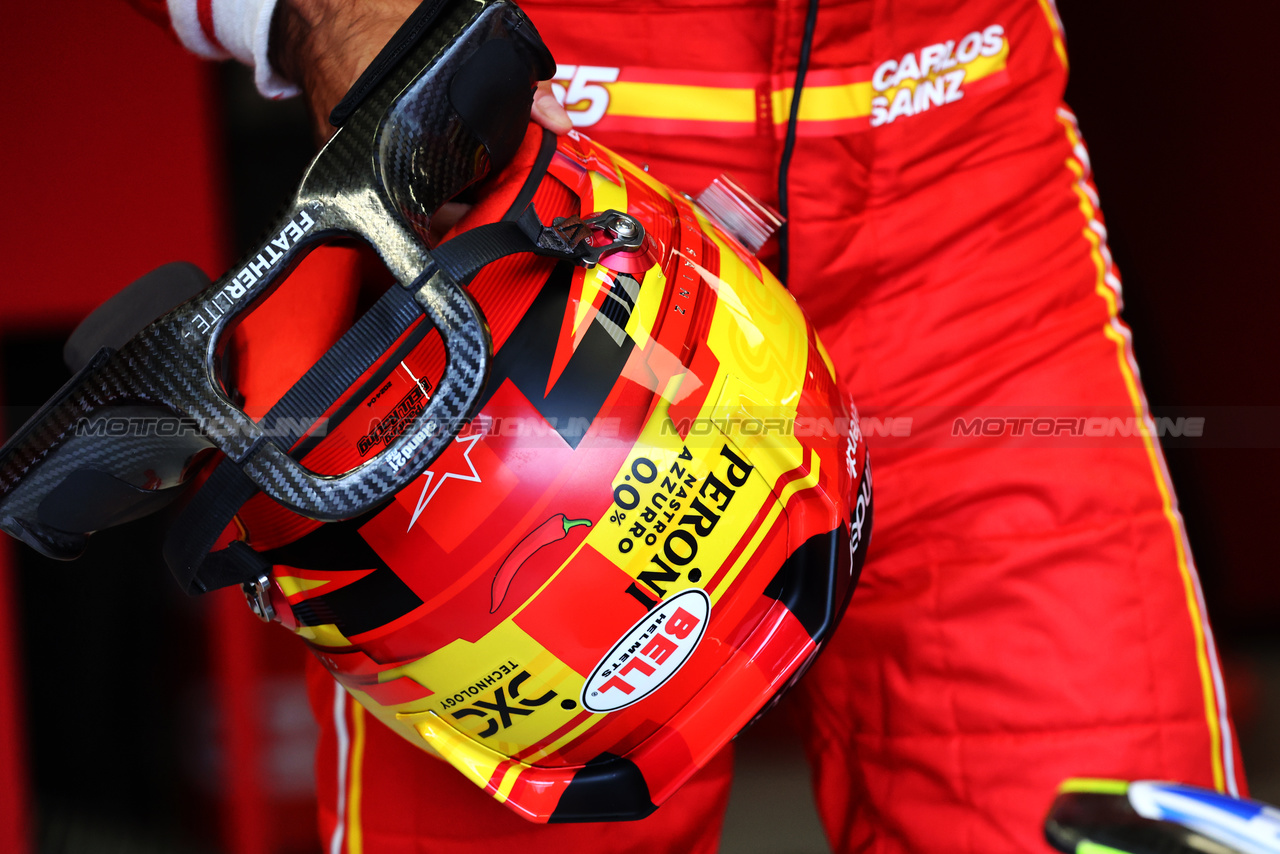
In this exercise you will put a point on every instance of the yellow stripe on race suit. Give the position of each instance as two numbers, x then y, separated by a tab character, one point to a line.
825	103
1210	680
673	101
355	824
737	104
1050	9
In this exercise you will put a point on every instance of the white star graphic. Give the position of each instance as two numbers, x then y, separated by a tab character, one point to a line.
432	486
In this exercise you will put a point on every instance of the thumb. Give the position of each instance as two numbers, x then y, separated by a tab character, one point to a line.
547	110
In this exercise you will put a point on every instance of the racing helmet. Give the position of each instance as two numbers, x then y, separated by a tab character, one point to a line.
572	502
649	528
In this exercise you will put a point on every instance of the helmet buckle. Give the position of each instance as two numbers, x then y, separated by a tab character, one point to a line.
590	239
257	594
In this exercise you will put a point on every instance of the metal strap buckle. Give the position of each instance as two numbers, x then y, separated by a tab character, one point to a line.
258	594
589	240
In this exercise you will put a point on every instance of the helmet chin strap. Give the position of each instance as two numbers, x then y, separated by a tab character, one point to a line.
188	547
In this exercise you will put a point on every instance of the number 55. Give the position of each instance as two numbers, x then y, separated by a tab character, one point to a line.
586	100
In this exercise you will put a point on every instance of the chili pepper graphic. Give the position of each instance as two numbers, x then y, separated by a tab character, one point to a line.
553	530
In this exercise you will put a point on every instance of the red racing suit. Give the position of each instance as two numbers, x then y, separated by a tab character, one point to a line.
1029	610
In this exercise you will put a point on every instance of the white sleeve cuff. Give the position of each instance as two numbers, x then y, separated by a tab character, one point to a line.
219	29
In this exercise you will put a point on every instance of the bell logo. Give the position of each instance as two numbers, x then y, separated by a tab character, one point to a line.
649	654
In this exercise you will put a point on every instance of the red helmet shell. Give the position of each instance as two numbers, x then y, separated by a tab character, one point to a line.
646	533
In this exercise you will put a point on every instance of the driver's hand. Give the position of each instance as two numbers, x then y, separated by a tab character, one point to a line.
324	45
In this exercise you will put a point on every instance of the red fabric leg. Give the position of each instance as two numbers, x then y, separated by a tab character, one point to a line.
409	802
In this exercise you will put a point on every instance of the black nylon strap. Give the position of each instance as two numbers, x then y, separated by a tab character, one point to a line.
546	150
213	507
200	524
325	381
471	251
372	384
211	510
235	564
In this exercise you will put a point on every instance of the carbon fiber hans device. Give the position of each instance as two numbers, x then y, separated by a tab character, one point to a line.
414	132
